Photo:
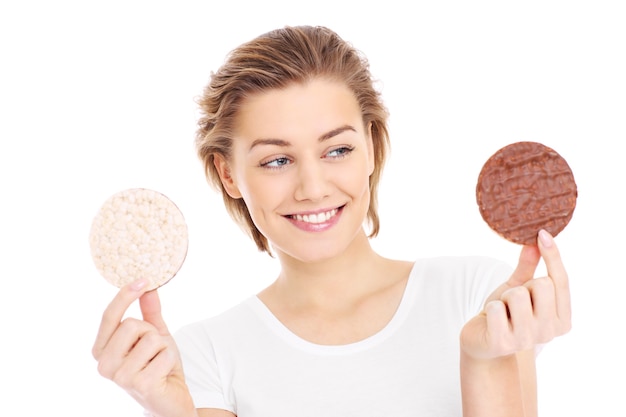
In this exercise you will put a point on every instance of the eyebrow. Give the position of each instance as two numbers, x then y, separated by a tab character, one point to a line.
282	142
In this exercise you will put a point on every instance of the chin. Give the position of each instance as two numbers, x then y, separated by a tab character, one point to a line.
311	254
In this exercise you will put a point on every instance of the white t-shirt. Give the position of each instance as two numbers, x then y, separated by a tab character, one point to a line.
245	361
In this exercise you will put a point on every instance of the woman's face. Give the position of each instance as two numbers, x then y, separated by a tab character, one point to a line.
301	161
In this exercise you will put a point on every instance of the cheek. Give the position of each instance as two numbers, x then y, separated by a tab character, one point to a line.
259	192
358	177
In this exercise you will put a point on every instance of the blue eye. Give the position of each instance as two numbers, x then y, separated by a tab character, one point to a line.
340	152
275	163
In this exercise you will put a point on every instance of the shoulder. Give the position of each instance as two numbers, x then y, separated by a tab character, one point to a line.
462	267
470	278
205	331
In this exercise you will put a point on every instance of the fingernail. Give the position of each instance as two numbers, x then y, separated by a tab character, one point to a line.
139	284
545	238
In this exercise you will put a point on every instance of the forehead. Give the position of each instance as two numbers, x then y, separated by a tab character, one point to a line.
312	108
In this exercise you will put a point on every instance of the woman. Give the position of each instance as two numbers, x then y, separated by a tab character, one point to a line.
294	136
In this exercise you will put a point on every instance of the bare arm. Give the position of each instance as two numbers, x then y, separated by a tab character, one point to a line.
212	412
504	386
498	376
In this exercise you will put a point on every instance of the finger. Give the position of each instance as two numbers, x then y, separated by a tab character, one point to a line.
556	271
526	266
543	298
544	308
519	306
150	305
114	313
124	340
161	365
139	357
498	328
524	272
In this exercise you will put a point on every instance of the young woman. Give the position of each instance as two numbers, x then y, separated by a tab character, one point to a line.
294	136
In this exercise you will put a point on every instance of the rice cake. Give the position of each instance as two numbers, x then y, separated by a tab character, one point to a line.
525	187
138	233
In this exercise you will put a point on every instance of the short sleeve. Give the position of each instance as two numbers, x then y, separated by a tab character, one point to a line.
201	368
482	276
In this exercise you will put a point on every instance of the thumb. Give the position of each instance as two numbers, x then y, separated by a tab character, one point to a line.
526	265
524	272
150	305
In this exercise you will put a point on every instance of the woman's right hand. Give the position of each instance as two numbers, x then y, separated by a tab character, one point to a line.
140	355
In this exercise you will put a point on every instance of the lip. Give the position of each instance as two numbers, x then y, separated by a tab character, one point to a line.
316	227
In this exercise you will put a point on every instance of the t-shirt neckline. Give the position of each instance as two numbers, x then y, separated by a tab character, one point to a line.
278	328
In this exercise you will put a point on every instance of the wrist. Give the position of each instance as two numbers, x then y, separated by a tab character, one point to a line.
491	386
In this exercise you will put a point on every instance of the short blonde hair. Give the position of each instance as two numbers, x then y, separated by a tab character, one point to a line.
273	61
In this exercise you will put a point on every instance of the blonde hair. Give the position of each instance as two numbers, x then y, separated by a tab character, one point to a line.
273	61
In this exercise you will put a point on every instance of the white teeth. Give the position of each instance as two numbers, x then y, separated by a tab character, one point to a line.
316	218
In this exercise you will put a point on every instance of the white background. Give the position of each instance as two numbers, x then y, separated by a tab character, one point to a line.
96	97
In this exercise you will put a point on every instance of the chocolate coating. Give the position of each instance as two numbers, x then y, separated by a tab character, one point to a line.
525	187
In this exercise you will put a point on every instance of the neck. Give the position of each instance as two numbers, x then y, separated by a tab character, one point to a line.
328	281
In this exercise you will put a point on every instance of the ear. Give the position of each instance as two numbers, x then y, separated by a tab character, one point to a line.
223	169
370	150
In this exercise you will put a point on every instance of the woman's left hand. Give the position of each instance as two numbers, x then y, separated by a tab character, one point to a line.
524	311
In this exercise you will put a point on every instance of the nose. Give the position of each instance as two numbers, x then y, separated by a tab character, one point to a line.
312	182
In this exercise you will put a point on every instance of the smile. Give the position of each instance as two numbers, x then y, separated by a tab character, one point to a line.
315	218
